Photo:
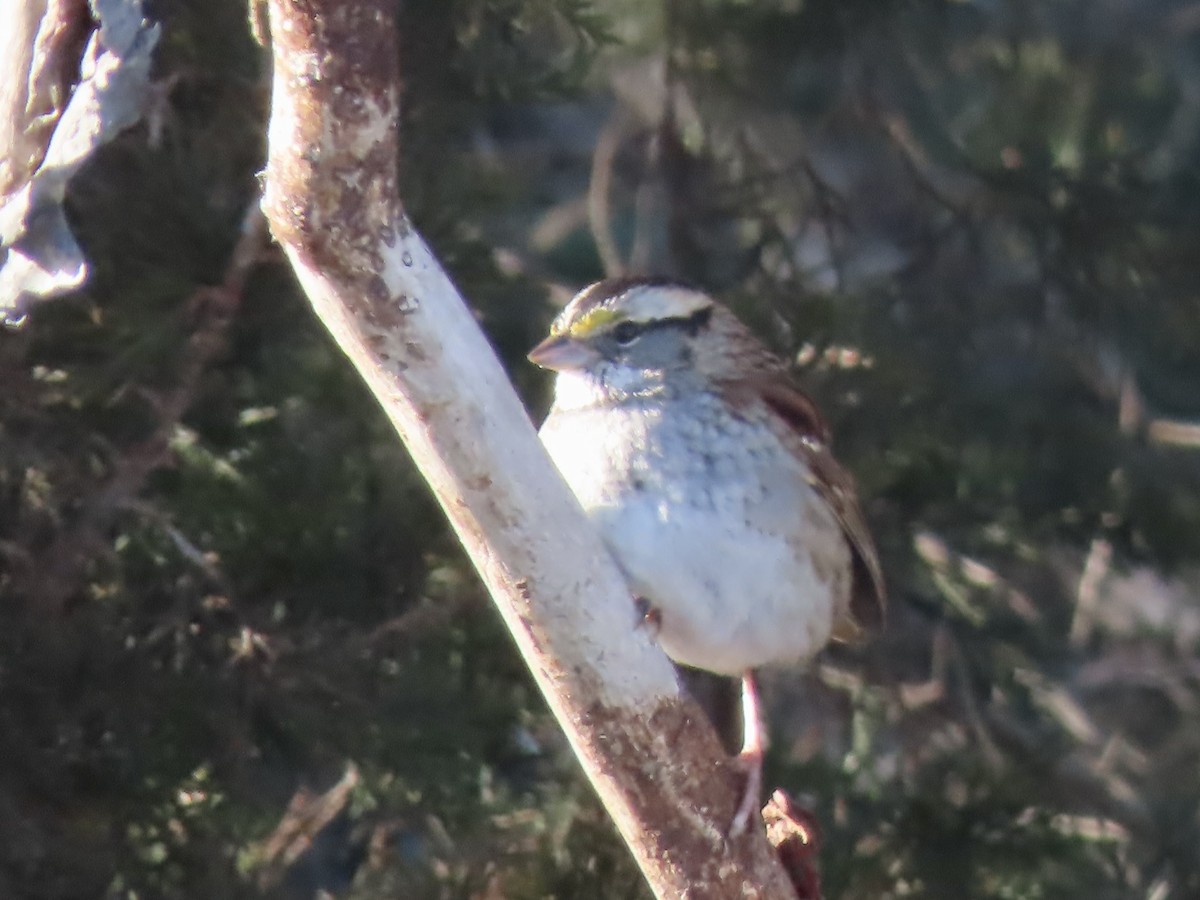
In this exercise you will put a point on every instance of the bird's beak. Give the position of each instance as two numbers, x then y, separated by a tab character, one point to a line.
562	353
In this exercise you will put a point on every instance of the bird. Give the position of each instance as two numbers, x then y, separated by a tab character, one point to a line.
709	476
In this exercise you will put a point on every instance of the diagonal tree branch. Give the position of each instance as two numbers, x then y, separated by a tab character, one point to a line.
331	200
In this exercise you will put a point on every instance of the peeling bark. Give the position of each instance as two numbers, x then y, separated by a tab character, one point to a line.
72	77
332	202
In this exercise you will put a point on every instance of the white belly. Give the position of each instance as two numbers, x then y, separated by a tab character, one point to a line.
729	567
729	600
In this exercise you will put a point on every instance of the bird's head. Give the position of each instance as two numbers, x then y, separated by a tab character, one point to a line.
629	335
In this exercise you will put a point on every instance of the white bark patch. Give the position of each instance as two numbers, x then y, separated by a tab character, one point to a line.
379	124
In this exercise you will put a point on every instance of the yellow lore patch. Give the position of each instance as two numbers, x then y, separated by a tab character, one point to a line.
590	322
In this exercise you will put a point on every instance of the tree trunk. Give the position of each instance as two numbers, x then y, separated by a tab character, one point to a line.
331	199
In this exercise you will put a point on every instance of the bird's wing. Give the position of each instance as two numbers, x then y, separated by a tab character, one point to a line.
808	437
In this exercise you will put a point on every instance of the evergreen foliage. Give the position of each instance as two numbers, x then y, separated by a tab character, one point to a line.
973	224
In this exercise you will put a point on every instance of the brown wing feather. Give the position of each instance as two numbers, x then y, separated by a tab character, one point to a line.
793	406
868	595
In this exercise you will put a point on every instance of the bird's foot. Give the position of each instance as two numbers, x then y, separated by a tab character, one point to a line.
751	763
649	617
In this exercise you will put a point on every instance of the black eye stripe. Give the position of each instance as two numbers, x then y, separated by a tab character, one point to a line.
697	320
626	330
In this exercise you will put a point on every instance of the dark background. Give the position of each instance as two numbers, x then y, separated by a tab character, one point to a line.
240	653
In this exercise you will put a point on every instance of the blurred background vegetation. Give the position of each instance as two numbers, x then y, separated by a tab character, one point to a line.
240	654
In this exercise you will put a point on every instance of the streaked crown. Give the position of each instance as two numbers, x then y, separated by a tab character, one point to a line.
640	300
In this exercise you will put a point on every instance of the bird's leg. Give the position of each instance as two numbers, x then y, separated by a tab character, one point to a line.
648	617
751	758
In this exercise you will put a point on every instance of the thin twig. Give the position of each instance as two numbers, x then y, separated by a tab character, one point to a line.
1087	595
599	194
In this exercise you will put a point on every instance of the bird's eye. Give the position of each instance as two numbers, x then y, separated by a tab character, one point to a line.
626	333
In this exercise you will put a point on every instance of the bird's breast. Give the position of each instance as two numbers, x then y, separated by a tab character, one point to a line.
713	522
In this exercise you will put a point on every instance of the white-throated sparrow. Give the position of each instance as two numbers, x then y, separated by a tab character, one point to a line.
710	478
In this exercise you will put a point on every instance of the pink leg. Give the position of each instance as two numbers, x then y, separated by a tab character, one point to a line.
751	757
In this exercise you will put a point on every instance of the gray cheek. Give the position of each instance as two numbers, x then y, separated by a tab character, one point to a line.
660	349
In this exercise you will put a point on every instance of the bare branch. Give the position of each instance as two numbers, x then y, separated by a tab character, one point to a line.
1174	432
599	196
332	202
307	814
